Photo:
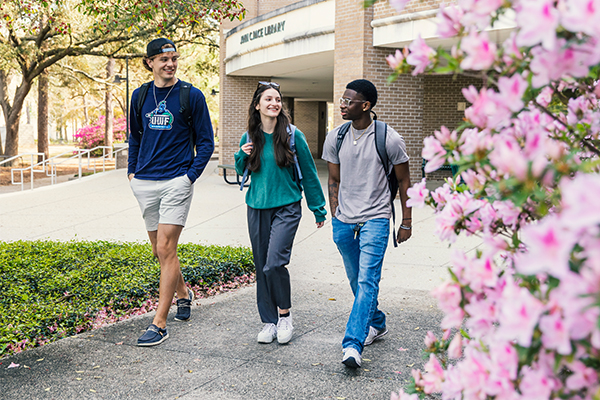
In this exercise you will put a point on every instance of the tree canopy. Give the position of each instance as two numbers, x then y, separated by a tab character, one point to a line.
36	34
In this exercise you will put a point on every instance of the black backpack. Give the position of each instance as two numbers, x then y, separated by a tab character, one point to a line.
184	108
390	174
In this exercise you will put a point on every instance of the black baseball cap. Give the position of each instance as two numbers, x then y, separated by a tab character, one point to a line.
155	47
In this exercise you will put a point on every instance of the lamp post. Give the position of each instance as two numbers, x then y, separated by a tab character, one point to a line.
118	81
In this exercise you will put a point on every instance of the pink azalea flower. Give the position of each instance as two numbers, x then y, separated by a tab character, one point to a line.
536	385
399	5
582	16
477	12
417	195
482	316
420	55
508	212
519	314
552	65
445	136
508	158
434	375
537	20
583	377
480	51
430	339
511	49
545	96
403	396
395	60
554	334
485	111
511	92
549	247
448	295
434	152
448	21
455	347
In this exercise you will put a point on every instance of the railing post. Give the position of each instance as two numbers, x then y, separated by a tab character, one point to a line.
79	158
31	171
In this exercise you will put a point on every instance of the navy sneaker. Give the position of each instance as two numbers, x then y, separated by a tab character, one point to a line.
184	306
153	336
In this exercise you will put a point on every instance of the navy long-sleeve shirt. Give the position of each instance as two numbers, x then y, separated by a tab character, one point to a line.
164	150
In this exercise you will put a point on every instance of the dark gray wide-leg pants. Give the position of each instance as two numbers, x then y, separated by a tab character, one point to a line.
272	233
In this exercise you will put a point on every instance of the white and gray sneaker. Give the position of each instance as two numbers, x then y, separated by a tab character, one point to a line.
285	329
352	358
268	333
374	335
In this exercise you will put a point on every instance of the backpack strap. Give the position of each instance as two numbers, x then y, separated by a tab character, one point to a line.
246	170
143	92
380	139
186	111
340	136
291	129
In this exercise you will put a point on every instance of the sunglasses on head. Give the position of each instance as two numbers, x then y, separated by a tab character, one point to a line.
274	85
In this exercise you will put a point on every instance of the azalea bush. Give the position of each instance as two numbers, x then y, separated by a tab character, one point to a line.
50	290
522	312
92	135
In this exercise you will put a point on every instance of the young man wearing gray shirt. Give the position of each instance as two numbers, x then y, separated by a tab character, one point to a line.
359	197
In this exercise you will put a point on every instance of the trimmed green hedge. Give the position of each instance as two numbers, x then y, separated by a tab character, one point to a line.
49	290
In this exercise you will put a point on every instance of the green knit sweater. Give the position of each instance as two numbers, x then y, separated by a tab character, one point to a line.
272	186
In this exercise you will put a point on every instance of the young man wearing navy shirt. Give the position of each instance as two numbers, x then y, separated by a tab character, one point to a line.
166	156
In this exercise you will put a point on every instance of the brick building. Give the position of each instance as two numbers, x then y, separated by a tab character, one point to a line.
313	48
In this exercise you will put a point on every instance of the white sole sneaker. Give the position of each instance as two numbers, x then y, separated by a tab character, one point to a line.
352	358
285	330
374	335
268	334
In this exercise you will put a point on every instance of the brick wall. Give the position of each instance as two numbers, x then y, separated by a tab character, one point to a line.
440	97
306	118
400	104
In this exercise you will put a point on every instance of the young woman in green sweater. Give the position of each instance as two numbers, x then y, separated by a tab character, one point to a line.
273	200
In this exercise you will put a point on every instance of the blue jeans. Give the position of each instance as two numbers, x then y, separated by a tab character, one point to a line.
363	260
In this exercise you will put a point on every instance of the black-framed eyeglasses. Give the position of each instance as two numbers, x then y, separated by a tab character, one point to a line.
346	101
274	85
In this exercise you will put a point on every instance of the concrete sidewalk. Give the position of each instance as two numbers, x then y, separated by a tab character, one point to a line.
215	355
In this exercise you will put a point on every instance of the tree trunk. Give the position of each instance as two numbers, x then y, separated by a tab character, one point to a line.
4	102
108	124
42	124
14	116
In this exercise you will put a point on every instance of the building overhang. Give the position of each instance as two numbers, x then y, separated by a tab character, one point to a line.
294	45
400	30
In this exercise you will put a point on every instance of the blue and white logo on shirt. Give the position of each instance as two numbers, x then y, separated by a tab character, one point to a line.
161	119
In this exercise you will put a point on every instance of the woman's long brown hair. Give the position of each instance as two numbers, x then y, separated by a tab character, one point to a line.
281	147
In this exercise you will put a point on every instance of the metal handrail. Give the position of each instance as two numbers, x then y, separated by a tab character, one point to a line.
31	166
52	164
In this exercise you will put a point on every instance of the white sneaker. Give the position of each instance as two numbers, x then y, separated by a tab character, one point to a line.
268	333
284	330
351	358
374	335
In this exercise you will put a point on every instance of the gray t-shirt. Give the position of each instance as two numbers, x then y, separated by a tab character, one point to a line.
363	193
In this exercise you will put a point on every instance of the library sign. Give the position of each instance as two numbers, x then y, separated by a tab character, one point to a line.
262	32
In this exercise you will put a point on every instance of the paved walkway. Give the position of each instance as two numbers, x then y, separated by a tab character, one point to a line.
215	354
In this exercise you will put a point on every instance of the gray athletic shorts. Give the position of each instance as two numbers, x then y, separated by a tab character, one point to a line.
163	202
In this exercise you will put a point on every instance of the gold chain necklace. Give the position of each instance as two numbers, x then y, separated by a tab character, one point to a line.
361	135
